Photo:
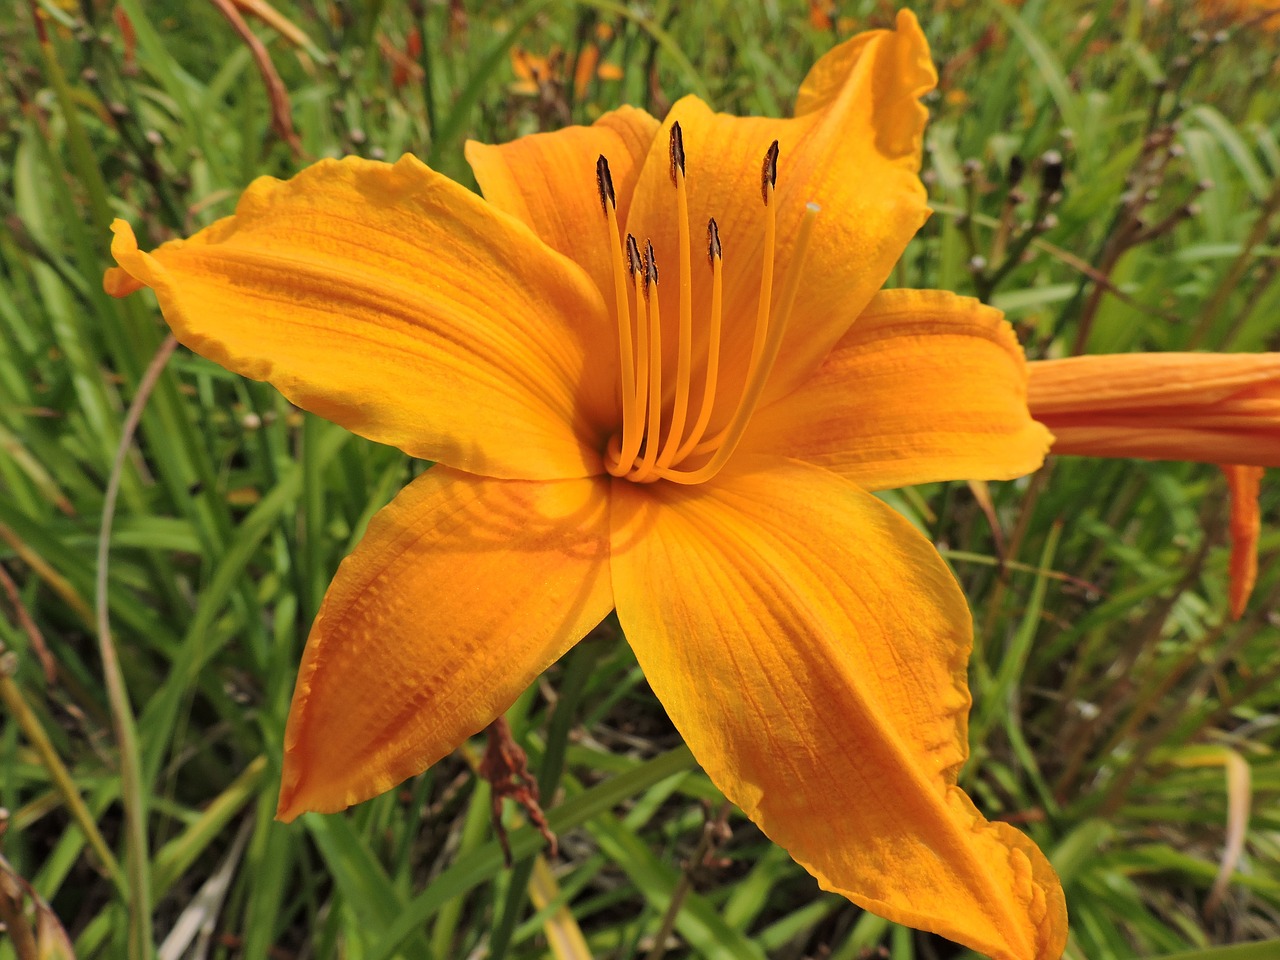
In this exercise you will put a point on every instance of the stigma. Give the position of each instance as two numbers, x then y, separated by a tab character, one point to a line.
661	436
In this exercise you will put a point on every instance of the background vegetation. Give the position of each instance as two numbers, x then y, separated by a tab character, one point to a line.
1120	718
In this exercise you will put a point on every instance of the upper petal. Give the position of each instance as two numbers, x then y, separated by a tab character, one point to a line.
548	182
811	647
462	591
924	386
393	301
853	148
1208	407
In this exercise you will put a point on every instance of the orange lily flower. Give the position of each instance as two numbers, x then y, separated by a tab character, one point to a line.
693	449
1211	408
534	72
1263	13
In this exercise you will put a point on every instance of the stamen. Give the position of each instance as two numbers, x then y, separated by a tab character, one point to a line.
624	447
677	151
715	257
644	354
768	173
768	182
631	418
653	429
684	355
755	387
604	184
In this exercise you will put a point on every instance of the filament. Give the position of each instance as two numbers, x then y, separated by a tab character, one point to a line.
653	432
715	255
684	355
631	423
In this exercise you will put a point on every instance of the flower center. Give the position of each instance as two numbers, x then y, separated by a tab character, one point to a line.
657	441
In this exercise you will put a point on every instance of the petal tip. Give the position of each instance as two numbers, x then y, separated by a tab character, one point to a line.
120	281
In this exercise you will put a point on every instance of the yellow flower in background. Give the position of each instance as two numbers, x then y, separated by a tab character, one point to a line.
656	375
1206	407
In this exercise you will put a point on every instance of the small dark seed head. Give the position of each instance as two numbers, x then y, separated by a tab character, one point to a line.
1016	169
1051	170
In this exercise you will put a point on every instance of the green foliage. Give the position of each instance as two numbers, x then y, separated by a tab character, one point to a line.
1111	692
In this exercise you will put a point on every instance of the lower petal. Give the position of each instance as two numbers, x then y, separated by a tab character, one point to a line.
462	591
811	647
925	386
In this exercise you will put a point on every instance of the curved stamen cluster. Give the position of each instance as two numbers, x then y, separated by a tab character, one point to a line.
653	442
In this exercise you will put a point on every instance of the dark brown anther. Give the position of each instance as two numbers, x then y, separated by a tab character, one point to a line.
650	265
604	183
714	252
634	262
769	171
677	151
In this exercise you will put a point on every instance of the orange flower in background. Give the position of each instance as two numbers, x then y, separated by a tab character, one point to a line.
533	72
1263	13
1211	408
822	14
656	376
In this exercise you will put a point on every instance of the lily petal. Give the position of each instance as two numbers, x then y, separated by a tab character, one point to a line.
925	386
393	301
1207	407
814	660
548	182
854	149
462	591
1244	484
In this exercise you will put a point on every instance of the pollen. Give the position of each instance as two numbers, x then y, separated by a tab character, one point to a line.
660	436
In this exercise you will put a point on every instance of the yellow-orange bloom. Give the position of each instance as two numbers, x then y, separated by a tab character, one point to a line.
627	411
1206	407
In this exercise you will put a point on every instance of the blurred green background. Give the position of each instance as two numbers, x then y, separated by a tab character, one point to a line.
1120	718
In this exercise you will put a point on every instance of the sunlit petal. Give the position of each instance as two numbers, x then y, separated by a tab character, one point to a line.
925	386
814	659
462	591
393	301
